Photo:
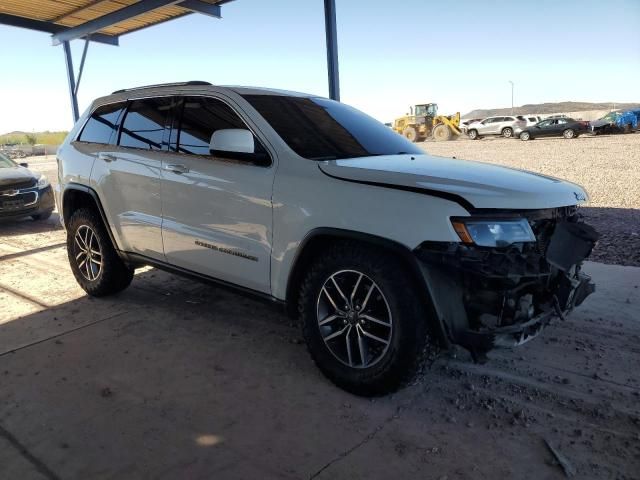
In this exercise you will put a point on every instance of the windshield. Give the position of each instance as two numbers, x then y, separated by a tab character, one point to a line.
426	110
610	116
322	129
6	162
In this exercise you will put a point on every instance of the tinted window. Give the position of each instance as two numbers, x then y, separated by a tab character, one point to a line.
201	117
144	123
102	124
322	129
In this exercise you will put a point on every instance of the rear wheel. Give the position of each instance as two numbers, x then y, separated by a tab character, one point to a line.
627	128
569	133
94	261
524	136
473	134
507	132
441	133
363	322
410	134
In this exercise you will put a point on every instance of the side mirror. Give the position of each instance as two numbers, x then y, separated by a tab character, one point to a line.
24	164
238	144
232	140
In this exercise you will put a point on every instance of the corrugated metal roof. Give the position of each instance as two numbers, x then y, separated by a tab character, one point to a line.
71	13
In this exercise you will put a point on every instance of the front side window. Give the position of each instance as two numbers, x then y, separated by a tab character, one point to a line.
144	123
102	124
200	117
322	129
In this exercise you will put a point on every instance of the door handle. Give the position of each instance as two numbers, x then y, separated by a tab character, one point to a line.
175	168
107	157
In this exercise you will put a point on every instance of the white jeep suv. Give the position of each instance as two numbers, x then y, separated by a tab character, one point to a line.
385	253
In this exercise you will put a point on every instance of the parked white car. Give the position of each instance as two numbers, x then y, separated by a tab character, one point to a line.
530	120
382	251
504	126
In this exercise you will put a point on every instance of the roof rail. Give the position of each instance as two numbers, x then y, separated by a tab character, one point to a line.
176	84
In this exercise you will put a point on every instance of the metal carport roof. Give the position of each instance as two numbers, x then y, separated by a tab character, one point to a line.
105	21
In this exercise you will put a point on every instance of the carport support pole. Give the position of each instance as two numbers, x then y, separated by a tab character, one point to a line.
72	81
332	49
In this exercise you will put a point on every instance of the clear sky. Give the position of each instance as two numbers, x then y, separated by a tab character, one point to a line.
459	54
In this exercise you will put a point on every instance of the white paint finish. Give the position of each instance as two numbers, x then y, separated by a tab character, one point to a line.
221	204
127	181
482	184
305	199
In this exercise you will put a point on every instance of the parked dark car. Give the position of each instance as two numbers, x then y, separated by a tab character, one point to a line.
23	193
554	127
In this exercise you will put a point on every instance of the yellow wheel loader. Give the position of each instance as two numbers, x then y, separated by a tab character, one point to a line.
423	122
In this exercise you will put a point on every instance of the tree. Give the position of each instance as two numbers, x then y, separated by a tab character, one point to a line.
31	138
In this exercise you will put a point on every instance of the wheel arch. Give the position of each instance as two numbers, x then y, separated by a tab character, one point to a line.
317	239
76	196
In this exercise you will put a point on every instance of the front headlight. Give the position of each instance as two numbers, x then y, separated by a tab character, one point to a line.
43	182
493	233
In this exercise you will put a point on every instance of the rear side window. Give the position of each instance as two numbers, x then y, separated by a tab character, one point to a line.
201	116
144	123
102	126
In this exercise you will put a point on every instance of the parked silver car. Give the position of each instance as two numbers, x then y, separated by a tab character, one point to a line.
504	126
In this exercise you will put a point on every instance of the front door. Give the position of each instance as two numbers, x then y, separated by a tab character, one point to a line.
217	212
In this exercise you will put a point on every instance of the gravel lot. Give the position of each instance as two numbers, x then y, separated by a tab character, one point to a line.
607	166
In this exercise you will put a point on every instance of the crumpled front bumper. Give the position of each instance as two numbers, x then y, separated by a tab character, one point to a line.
486	298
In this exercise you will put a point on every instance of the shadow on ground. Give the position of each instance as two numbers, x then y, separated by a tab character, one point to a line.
173	378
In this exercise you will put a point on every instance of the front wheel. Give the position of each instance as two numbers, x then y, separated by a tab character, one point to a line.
507	132
94	261
473	134
364	325
569	133
524	136
410	134
441	133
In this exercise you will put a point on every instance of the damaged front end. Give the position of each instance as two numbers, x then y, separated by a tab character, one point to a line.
503	295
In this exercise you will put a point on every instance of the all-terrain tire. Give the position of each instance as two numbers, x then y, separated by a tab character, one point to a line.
411	134
113	275
441	133
409	344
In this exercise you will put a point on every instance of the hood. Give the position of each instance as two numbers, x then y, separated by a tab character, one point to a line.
15	175
472	184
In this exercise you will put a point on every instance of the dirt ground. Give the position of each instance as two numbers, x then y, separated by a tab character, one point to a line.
607	166
177	379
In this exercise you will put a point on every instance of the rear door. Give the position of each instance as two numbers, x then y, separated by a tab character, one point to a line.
217	212
128	177
494	126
